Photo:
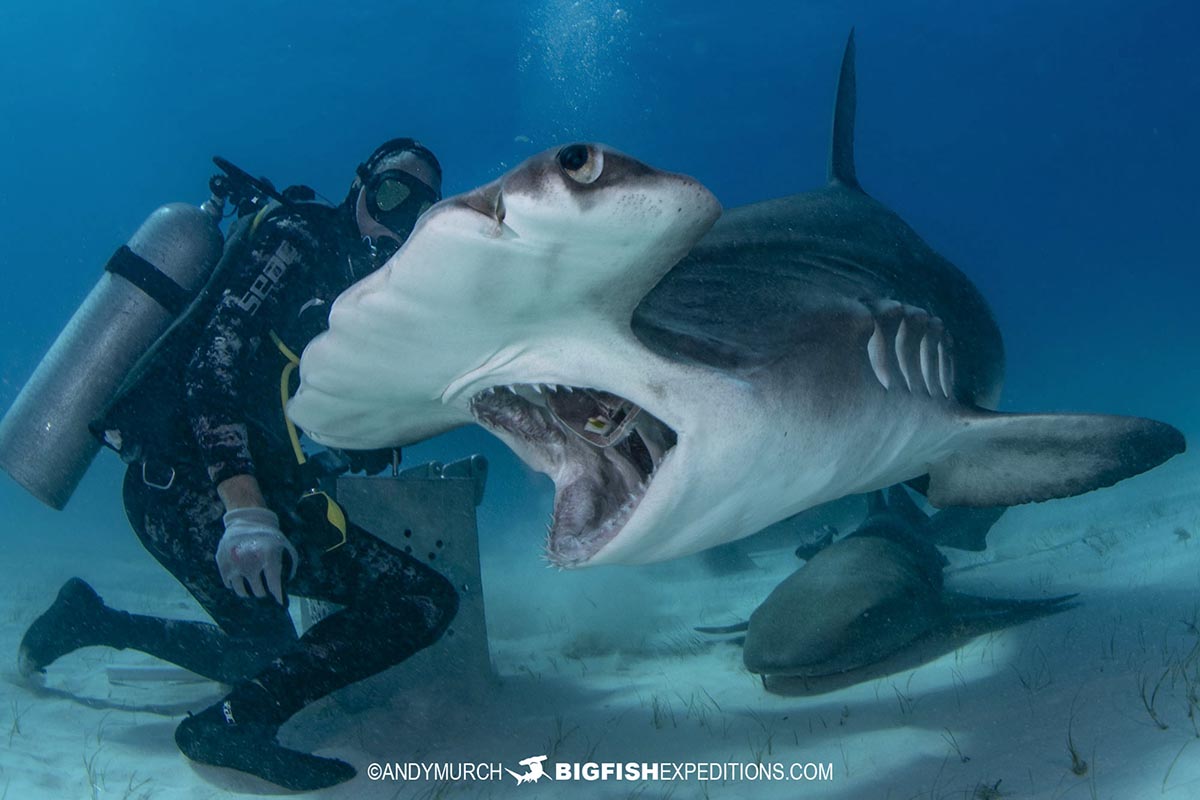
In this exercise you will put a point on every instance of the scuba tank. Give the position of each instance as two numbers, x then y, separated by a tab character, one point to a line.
145	422
46	442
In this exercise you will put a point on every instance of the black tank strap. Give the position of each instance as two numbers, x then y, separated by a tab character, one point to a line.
150	279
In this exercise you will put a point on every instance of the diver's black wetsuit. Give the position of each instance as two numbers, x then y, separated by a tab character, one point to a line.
281	272
393	605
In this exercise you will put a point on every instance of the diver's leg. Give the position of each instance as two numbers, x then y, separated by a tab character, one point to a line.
180	528
393	606
79	618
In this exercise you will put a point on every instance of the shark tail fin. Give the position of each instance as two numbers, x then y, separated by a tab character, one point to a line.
1009	459
964	528
841	154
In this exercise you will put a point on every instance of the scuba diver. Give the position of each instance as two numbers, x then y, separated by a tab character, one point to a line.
223	495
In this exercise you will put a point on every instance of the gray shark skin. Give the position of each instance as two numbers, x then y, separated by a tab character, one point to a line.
806	348
868	596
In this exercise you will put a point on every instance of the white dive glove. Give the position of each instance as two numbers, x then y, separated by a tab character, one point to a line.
251	552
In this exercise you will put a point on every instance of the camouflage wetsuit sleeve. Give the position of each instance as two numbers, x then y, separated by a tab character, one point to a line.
218	376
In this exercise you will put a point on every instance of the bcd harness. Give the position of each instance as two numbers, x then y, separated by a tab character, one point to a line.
315	506
142	426
315	499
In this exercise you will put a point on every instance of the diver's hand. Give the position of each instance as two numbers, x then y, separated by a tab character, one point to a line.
251	553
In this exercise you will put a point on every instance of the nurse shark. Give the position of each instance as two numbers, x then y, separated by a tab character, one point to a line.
874	593
686	383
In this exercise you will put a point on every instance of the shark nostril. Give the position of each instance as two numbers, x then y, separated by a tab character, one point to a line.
487	200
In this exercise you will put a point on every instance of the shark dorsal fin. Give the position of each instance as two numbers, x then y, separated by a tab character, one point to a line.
841	154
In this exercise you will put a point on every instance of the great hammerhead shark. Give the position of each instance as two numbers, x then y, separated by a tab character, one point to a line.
686	387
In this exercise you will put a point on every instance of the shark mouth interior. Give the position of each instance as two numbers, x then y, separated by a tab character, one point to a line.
601	450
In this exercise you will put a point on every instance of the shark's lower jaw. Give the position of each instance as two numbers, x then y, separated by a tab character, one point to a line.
601	451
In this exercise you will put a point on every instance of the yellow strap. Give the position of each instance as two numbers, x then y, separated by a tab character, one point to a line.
334	515
284	395
337	518
260	216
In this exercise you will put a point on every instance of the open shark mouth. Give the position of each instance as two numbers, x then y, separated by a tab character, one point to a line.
601	451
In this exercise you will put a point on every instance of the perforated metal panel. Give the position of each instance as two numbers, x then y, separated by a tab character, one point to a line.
429	512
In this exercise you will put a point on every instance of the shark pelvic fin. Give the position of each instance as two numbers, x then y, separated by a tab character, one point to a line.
964	528
841	153
901	503
1009	459
876	503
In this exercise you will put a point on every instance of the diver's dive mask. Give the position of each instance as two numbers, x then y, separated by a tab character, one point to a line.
395	198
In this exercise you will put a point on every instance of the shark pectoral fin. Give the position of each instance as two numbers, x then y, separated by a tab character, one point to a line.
1010	459
993	613
963	528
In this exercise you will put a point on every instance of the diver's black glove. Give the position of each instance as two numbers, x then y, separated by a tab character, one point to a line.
372	462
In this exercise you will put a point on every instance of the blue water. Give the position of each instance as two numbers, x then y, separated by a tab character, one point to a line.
1046	148
1049	149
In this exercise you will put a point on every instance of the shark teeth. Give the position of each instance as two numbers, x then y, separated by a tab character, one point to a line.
530	390
535	388
599	485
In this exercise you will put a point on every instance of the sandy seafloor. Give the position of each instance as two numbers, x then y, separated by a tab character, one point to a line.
602	665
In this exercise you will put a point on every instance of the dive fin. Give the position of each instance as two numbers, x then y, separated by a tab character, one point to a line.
740	627
841	153
964	528
1010	459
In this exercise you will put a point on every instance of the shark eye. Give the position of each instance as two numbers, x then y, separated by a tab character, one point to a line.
582	164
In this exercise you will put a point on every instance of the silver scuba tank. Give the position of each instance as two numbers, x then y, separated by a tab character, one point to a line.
45	443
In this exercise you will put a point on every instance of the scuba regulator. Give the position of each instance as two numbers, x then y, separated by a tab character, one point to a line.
248	194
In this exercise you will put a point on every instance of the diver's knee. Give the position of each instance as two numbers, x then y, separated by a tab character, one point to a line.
437	602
